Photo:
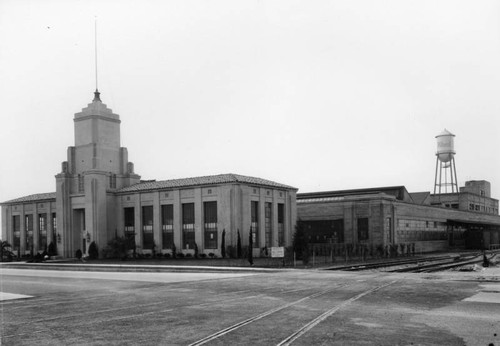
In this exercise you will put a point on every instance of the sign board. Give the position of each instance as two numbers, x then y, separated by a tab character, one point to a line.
278	251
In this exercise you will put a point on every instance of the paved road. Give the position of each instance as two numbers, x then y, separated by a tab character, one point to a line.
294	307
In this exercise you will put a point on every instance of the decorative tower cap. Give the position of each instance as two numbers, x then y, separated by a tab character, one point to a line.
97	96
445	133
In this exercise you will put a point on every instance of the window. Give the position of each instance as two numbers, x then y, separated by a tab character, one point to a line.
42	231
112	181
281	224
81	185
362	228
210	224
268	224
129	215
476	207
188	238
482	193
147	227
54	223
167	226
255	223
16	223
28	225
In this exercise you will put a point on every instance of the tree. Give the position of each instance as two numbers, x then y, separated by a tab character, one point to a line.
174	250
238	246
300	242
250	247
5	253
196	251
223	244
52	250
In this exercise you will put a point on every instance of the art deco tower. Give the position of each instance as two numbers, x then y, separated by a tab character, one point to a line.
97	165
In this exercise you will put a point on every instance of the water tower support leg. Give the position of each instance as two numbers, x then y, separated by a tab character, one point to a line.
436	175
455	172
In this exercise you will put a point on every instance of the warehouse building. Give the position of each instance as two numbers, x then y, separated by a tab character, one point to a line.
391	215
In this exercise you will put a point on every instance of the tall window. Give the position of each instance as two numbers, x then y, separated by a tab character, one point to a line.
281	224
188	239
81	185
167	226
129	215
16	223
210	224
268	223
54	223
28	224
147	227
362	228
42	231
255	223
112	181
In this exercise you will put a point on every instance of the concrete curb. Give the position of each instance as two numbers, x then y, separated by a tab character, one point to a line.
138	268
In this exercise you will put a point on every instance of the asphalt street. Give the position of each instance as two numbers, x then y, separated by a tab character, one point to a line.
293	307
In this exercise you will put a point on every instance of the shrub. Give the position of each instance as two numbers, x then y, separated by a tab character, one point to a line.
174	250
231	251
188	255
239	252
203	255
211	255
78	254
179	255
148	255
52	251
195	250
167	255
93	252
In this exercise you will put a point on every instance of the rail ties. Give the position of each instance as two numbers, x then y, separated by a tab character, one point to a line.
260	316
301	331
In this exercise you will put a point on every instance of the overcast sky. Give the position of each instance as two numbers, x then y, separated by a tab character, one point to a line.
320	95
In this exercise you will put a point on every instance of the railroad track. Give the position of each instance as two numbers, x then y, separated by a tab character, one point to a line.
435	267
420	264
392	263
300	330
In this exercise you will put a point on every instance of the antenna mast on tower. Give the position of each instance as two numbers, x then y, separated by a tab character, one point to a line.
96	93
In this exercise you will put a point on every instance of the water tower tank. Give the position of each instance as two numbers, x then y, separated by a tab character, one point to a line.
445	146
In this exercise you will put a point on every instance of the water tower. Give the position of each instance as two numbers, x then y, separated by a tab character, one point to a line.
445	161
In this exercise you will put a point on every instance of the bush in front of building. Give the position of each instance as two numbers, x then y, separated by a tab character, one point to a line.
174	251
93	252
5	253
116	248
239	252
52	251
78	254
231	251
